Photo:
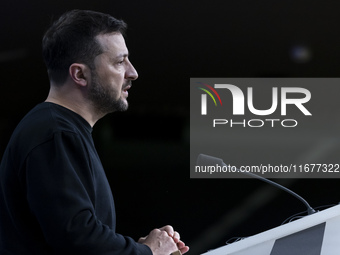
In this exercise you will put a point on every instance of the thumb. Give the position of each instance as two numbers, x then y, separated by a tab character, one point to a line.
142	239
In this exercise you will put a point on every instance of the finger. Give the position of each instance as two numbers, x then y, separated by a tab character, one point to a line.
182	247
180	244
176	237
185	249
142	239
169	229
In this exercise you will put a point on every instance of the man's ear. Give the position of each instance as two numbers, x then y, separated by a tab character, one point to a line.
80	74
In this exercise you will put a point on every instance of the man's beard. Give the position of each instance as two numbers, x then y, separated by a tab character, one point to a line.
103	98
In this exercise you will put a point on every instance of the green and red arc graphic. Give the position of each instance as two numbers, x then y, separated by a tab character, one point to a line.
209	93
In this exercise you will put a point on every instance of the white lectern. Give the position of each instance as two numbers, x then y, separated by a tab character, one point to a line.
316	234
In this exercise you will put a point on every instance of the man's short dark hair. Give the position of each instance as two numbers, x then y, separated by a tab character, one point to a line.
71	39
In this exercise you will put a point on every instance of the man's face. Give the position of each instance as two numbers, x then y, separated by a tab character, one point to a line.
112	76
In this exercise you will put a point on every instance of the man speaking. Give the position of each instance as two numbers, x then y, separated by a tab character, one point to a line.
54	195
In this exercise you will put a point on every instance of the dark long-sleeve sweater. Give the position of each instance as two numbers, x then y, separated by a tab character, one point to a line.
54	195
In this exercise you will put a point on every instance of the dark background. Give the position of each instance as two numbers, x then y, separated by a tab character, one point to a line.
146	150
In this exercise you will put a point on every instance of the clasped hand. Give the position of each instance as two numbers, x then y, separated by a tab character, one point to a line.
164	241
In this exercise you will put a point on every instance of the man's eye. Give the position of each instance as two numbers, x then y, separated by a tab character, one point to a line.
120	62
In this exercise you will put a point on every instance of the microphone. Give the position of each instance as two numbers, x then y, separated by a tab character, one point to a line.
205	160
